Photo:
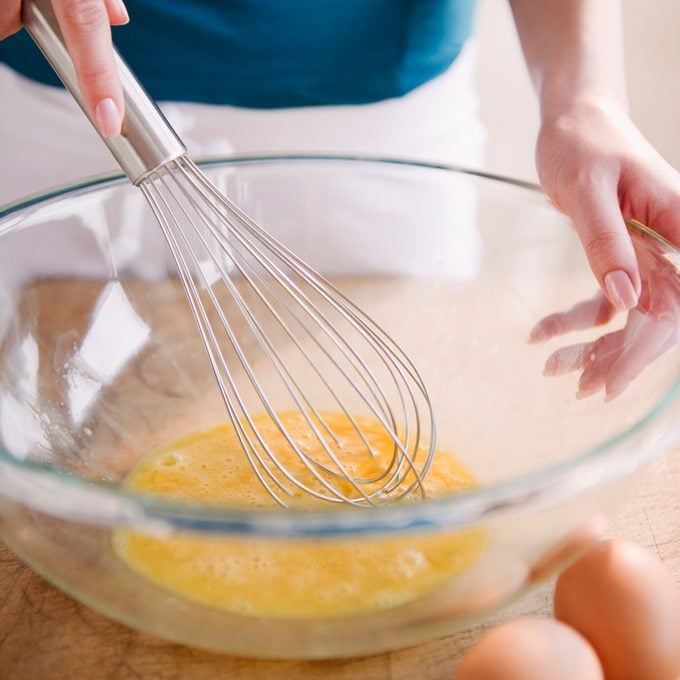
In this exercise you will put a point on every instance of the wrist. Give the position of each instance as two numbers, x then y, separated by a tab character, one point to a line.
584	104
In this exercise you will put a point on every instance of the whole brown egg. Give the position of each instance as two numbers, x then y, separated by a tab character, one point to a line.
626	603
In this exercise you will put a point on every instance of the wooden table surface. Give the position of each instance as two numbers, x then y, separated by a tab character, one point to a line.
45	634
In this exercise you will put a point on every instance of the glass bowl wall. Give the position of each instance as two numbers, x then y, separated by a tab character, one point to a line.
100	363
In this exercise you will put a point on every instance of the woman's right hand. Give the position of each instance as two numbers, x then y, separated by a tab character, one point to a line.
86	26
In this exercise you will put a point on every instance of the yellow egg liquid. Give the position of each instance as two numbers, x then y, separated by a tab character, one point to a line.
289	578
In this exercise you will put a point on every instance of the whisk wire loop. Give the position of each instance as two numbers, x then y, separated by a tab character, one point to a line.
293	388
263	339
191	209
213	350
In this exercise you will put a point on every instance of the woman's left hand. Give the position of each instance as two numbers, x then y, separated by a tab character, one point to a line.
597	168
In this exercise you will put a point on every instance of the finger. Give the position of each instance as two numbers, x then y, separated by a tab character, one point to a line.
597	217
587	314
117	12
10	17
86	29
647	338
606	352
567	359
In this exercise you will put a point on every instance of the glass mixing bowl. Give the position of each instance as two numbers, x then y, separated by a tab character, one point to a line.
99	364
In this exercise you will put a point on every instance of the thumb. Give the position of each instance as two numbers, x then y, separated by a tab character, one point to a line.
597	217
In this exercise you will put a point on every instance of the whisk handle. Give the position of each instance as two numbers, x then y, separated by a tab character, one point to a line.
147	140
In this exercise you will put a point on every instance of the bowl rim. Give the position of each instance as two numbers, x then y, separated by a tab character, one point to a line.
27	481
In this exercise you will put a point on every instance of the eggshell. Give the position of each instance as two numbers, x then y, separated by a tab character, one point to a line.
626	603
531	649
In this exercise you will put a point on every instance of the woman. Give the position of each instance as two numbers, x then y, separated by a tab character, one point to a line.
385	75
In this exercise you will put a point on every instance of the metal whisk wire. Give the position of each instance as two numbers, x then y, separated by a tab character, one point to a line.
220	252
181	196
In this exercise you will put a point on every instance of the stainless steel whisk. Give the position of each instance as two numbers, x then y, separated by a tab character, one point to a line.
265	316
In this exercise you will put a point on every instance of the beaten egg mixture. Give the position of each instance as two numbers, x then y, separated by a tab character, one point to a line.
303	578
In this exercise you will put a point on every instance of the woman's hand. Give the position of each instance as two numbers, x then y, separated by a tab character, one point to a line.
598	168
86	26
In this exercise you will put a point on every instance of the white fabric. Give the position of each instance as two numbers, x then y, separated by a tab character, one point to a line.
46	141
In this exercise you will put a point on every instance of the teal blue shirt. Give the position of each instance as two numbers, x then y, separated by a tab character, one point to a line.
278	53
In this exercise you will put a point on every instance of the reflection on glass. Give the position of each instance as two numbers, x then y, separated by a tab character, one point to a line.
114	337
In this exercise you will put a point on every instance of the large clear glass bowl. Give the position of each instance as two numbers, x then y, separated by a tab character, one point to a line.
99	364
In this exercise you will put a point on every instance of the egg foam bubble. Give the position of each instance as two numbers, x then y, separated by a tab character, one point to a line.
294	578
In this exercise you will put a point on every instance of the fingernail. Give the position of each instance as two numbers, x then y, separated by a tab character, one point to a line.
108	117
545	329
584	394
123	10
539	333
616	390
552	366
620	290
